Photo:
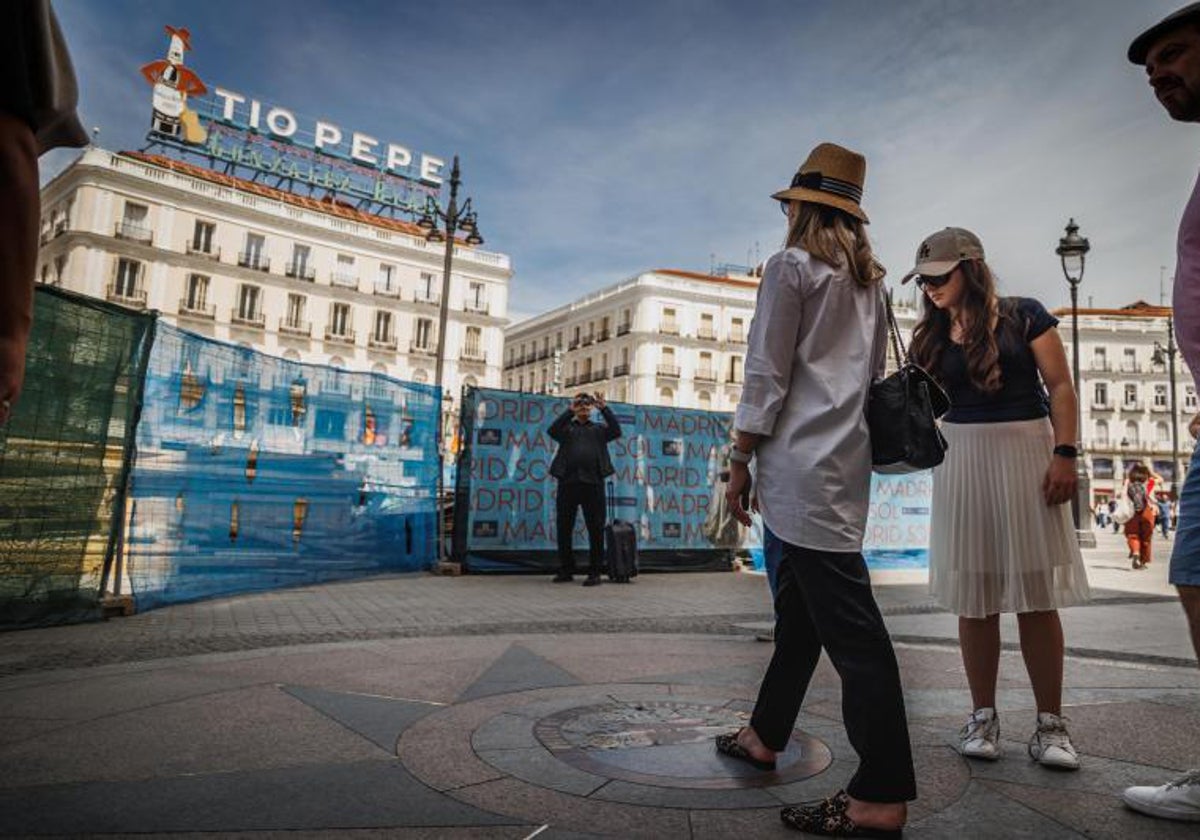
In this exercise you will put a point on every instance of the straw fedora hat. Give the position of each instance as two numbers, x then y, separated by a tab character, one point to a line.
831	175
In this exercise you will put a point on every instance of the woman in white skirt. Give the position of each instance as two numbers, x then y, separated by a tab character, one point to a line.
1002	539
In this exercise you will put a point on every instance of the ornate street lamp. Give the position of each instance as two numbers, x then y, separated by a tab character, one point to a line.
441	226
1072	250
1169	352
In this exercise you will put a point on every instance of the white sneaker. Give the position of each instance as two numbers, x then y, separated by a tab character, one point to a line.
1177	800
1050	745
980	737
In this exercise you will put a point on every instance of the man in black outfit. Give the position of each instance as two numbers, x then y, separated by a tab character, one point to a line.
581	465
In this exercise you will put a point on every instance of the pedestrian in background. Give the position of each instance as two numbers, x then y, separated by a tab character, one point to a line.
581	465
1170	53
38	96
1140	485
1001	535
1164	515
816	343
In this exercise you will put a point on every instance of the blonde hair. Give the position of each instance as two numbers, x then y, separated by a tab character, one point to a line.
837	238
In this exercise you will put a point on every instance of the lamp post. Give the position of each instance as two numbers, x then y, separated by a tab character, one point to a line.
453	219
1170	350
1072	249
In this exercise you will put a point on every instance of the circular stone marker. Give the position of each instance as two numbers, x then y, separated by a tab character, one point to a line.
669	743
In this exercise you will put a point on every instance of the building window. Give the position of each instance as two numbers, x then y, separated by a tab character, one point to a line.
133	224
1100	394
426	291
339	319
1129	360
248	303
666	396
295	311
1131	395
1160	396
737	330
1102	433
707	330
197	293
705	370
254	254
1131	434
704	400
299	266
1189	398
669	324
202	237
476	300
344	274
420	376
386	282
473	346
1100	358
735	369
60	265
382	331
1162	433
129	272
424	333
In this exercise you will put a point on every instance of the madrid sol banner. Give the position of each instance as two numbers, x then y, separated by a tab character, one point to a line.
667	463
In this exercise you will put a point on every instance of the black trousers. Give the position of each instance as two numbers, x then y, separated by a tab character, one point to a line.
573	495
824	600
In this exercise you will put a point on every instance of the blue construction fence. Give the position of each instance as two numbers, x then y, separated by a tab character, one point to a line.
668	463
144	456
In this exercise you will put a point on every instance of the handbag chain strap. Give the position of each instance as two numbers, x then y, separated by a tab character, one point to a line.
897	343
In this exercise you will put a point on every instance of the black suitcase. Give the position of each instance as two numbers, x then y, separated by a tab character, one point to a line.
620	546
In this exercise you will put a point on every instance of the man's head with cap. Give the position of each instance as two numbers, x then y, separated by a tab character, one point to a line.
1170	52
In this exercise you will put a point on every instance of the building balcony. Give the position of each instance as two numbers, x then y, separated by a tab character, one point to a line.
599	375
668	329
255	260
1098	405
1100	366
703	375
388	290
1132	405
301	271
253	320
339	336
472	357
343	279
479	307
734	379
209	252
737	338
1160	409
430	298
572	344
706	335
624	329
669	371
426	348
197	309
384	342
620	370
302	329
125	295
543	354
1130	367
570	382
134	233
588	340
603	335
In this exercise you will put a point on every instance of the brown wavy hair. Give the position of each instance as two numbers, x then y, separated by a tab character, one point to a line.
836	238
983	311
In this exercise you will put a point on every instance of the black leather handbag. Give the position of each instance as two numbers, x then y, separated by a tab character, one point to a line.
902	413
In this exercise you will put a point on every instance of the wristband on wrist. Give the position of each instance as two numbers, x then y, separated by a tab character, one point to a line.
739	456
1066	450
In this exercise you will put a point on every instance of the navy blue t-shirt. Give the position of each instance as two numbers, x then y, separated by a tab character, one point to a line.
1022	395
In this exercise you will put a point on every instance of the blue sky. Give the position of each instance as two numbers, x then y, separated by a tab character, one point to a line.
603	139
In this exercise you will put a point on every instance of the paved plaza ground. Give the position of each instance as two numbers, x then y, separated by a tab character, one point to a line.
416	706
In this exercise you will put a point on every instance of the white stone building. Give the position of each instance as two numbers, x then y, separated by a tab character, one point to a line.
1125	396
664	337
289	275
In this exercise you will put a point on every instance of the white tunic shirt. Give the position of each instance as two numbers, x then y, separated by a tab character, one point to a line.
817	341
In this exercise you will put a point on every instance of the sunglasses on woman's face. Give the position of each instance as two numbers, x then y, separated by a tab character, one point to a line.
926	281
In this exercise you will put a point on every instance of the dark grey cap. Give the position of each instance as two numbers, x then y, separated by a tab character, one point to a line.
1141	44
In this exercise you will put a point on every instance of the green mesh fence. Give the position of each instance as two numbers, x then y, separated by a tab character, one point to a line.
63	457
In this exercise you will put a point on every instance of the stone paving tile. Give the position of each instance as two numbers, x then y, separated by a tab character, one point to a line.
986	814
1119	731
538	767
378	719
504	732
247	729
664	797
748	823
517	669
520	800
1098	815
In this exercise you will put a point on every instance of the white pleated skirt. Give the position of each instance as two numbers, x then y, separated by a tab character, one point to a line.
994	544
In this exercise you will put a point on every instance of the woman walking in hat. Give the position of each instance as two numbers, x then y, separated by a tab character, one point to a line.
816	343
1001	537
